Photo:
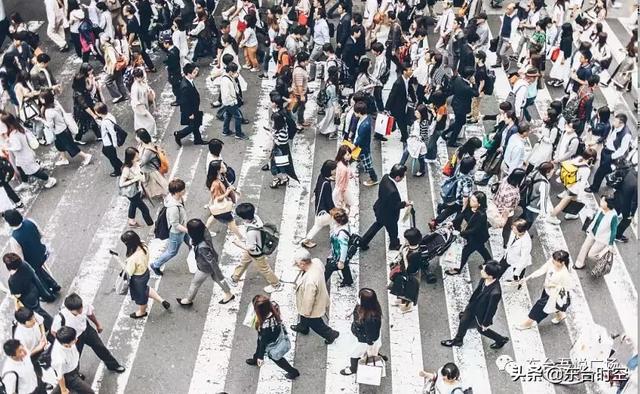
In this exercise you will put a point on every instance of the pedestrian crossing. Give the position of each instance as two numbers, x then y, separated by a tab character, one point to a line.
219	344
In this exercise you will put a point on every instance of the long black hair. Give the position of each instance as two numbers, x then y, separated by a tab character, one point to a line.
325	172
132	241
213	172
196	229
129	154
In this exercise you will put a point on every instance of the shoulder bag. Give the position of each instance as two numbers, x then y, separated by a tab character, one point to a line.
220	207
281	346
603	265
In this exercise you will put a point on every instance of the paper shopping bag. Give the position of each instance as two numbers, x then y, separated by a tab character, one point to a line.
370	371
384	124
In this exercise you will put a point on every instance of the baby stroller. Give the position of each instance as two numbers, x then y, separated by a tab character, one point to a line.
434	245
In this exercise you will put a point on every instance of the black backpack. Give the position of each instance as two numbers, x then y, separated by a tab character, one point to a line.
121	135
526	188
161	229
353	245
6	170
269	238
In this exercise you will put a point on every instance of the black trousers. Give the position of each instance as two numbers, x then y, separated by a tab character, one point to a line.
444	211
174	81
467	321
623	226
13	196
282	363
392	229
111	154
40	174
377	96
316	324
471	247
603	170
135	203
145	56
4	29
330	268
75	384
192	128
47	280
404	133
91	338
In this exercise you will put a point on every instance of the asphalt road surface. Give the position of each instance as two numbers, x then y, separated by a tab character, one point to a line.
203	349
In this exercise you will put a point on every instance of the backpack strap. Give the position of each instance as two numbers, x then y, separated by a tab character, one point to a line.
17	380
63	321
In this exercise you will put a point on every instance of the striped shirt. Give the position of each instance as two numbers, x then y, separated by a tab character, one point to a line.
300	79
281	136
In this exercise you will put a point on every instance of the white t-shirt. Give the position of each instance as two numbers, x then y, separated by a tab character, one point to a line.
30	337
64	359
75	18
78	323
27	381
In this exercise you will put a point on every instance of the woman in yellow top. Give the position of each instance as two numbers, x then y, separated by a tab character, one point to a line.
137	267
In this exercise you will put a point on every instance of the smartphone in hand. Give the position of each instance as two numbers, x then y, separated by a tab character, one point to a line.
111	252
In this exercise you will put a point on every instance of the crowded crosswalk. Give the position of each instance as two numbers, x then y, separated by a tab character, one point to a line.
205	347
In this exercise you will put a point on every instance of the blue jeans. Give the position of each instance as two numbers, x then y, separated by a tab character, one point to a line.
229	112
421	163
173	246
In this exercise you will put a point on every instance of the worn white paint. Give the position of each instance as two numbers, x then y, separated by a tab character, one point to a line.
214	353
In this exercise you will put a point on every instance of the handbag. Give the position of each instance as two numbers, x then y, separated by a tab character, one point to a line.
555	54
191	261
493	44
563	301
281	346
122	283
280	159
453	255
587	223
449	167
603	265
220	207
384	124
29	110
129	190
494	217
32	140
371	370
250	317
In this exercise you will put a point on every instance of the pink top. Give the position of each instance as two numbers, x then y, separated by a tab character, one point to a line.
343	174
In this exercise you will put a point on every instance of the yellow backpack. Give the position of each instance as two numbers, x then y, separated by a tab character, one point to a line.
568	173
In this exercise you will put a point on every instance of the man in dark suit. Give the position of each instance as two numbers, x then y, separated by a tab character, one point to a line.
361	44
481	308
387	208
173	68
343	31
190	114
350	55
402	92
463	88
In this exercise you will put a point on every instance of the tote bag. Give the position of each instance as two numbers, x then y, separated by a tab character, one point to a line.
281	346
371	370
122	283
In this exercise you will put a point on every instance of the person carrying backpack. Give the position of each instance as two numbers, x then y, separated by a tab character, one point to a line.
18	373
339	239
455	192
176	219
574	175
255	248
533	196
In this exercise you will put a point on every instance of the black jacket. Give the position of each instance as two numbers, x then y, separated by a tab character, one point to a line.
398	99
189	102
367	331
350	56
626	194
484	302
388	205
476	229
463	92
173	61
343	30
322	193
25	282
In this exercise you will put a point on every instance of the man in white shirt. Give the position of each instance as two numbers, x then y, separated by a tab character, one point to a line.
109	137
320	37
507	36
514	155
445	24
18	375
230	97
29	330
518	96
76	315
65	361
616	146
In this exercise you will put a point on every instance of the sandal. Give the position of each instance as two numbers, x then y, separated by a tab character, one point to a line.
274	184
453	271
307	243
134	315
346	371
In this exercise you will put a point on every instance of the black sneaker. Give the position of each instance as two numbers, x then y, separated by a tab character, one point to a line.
157	271
292	375
332	338
295	328
251	361
499	345
622	239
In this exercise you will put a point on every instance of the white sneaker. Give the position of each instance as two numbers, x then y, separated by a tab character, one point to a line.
561	195
87	160
553	220
21	187
569	216
62	162
51	182
271	289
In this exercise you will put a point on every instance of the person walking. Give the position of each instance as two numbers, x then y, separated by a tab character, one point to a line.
18	372
29	330
25	286
465	90
65	361
114	67
365	336
557	284
616	146
55	24
223	198
343	192
475	232
26	242
323	202
537	193
130	186
339	258
406	284
76	315
231	100
624	205
446	380
176	219
190	114
455	192
143	99
517	254
174	70
252	247
312	297
402	93
207	264
507	37
268	324
601	233
362	139
109	138
387	208
481	309
137	267
154	184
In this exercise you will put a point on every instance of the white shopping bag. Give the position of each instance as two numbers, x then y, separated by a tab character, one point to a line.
371	370
191	261
384	124
250	316
453	255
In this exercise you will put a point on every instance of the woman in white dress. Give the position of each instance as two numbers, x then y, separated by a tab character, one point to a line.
562	65
543	149
179	38
142	97
332	108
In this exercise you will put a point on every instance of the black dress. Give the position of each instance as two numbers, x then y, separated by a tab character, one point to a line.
406	285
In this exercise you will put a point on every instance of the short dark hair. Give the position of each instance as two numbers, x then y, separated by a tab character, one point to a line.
227	58
354	29
492	268
610	201
43	58
10	347
521	225
13	217
377	47
100	108
73	302
23	315
467	164
622	118
546	167
246	211
143	135
481	55
413	235
505	106
176	186
327	47
398	170
231	68
215	146
360	107
188	68
66	335
302	57
12	261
